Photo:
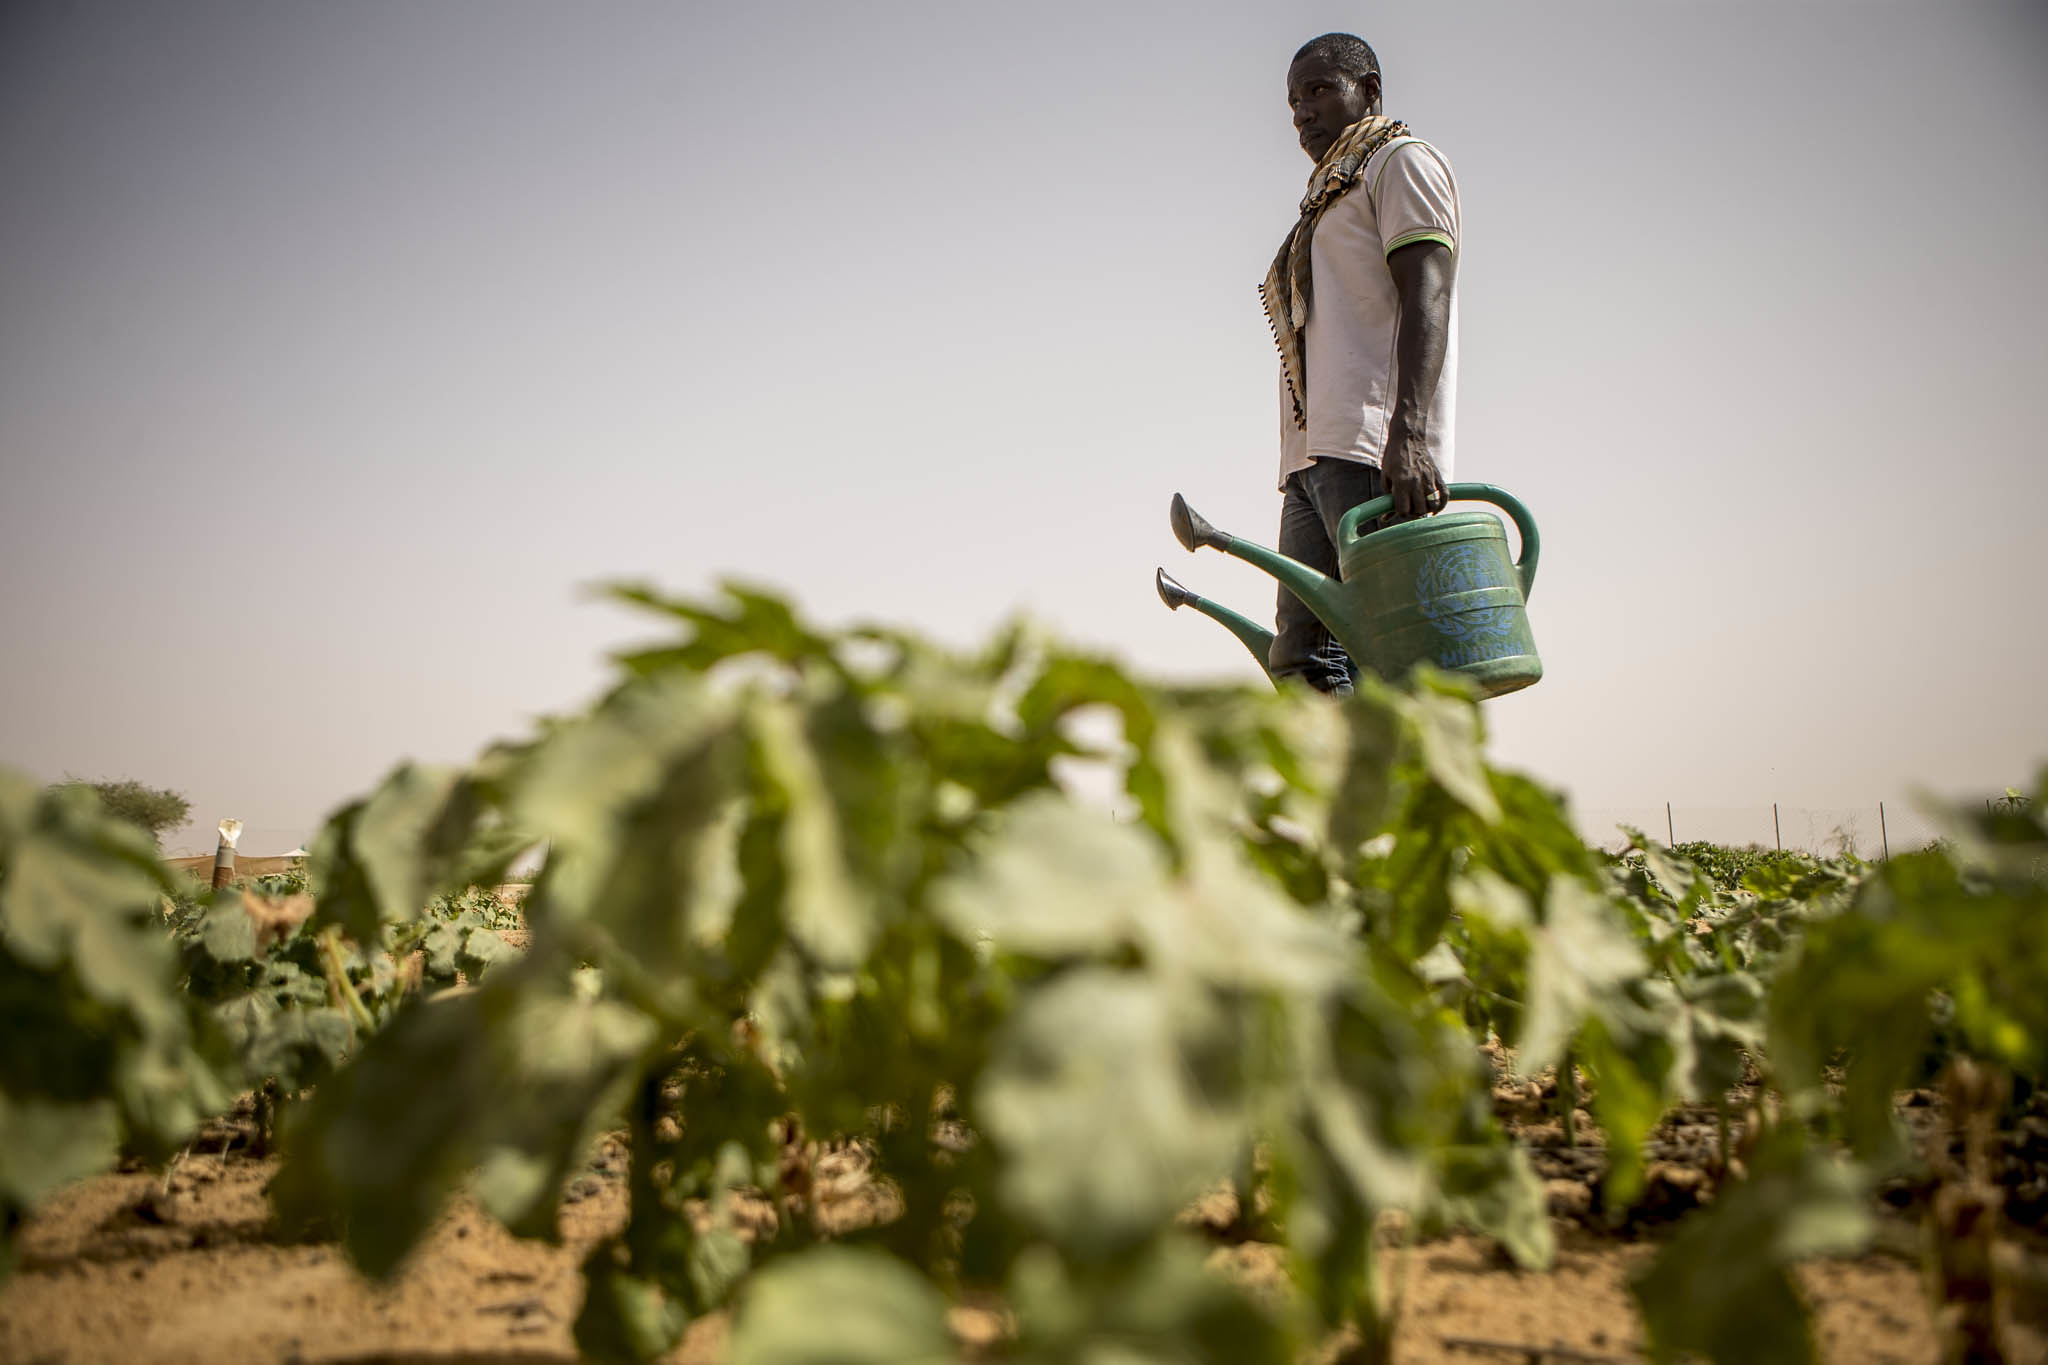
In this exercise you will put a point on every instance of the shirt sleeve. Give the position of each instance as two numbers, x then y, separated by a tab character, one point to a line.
1415	198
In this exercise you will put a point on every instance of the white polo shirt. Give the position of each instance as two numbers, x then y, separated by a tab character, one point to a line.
1406	194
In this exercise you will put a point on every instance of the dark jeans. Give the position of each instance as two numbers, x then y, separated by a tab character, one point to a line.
1313	502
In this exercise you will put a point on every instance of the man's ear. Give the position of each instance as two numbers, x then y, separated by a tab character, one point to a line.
1372	91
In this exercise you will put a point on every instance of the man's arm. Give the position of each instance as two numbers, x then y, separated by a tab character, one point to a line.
1423	272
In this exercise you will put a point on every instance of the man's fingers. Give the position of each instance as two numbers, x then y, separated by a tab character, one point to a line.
1414	499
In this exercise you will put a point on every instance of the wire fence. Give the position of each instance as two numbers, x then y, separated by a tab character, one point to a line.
1872	831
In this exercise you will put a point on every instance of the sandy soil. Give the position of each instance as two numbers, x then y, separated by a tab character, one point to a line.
113	1270
189	1267
187	1264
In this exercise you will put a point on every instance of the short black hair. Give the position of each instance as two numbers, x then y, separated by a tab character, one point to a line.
1348	52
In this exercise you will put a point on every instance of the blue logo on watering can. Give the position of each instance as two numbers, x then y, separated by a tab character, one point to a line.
1443	578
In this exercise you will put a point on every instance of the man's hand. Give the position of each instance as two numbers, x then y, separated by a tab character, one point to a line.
1422	273
1411	476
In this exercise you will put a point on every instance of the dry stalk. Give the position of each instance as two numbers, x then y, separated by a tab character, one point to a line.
1971	1307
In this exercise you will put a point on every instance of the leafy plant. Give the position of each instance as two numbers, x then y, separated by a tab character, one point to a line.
1037	951
1944	943
87	972
809	884
291	1004
1728	866
801	883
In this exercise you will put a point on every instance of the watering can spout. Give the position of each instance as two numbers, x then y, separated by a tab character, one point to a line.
1172	593
1317	590
1193	530
1250	634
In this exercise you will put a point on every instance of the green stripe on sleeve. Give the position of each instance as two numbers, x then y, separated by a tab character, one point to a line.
1415	237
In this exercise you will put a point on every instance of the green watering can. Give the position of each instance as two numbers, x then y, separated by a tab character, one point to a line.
1439	590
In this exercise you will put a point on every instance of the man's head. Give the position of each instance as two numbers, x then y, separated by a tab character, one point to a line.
1332	83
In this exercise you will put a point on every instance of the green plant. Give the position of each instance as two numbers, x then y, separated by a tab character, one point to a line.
1047	950
1728	866
87	972
291	1005
293	881
478	906
1931	959
803	884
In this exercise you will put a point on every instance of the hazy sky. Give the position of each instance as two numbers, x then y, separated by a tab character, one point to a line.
341	344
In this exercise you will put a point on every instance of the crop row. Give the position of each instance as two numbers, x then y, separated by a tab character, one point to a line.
1055	949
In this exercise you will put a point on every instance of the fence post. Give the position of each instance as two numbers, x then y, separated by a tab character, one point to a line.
1669	837
1881	834
224	853
1777	833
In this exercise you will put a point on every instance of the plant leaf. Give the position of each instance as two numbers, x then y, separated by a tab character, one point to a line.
840	1306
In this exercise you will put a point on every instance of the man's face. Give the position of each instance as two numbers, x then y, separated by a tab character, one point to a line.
1326	101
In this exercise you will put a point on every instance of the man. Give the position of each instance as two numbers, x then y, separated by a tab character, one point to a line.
1363	303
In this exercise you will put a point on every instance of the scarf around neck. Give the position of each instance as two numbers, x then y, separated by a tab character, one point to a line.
1289	289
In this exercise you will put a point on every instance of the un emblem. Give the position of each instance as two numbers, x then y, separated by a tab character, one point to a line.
1443	579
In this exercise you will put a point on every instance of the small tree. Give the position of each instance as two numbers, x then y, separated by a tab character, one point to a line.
156	809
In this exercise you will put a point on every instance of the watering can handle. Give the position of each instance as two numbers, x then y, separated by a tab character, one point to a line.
1532	544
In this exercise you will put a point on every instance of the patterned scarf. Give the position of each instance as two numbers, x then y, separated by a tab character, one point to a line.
1288	289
